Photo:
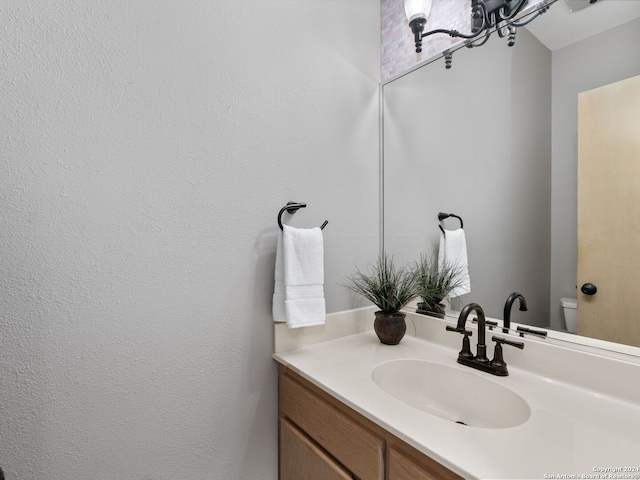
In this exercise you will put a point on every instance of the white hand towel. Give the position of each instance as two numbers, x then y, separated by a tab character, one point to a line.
303	276
453	251
298	295
279	312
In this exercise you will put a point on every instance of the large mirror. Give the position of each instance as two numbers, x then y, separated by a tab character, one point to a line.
494	140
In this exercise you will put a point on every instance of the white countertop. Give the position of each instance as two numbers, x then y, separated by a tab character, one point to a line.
572	430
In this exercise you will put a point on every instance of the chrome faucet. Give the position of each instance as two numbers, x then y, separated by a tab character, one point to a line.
506	323
479	361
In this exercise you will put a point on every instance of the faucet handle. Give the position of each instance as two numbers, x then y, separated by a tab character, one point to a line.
490	323
466	344
461	331
500	341
498	364
523	330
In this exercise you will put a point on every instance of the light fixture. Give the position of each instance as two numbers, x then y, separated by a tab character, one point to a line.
486	15
417	12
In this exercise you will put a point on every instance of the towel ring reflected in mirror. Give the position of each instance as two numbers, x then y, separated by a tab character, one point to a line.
291	208
442	216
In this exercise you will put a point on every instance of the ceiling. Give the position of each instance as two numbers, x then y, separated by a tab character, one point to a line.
559	27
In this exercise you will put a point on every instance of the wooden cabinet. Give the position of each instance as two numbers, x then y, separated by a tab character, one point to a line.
301	458
336	432
402	466
321	438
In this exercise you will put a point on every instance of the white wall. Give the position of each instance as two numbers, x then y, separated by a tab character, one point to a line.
599	60
146	149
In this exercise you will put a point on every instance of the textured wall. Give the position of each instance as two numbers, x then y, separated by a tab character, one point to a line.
146	149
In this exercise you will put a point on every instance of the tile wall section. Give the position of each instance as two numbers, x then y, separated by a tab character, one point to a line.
397	47
398	50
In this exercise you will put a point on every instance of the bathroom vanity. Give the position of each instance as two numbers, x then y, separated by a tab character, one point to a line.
353	407
321	437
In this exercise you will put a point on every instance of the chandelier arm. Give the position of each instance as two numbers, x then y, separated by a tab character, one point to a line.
452	33
479	43
532	18
497	18
514	11
456	34
502	13
490	21
503	30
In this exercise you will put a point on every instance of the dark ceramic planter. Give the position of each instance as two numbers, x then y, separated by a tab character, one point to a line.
390	328
435	311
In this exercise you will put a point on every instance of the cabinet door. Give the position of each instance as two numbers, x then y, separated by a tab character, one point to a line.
301	459
404	467
346	439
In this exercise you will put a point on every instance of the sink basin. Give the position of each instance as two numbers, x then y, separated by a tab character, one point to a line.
453	394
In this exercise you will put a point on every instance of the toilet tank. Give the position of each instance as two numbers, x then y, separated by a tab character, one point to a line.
570	313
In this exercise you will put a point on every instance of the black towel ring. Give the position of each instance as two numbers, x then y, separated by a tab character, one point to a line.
442	216
291	208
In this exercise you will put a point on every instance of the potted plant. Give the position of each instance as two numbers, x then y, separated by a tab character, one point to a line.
390	288
435	282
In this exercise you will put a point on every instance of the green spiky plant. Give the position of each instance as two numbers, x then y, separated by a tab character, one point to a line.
388	287
435	281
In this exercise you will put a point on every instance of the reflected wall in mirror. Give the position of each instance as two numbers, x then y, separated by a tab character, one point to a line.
494	140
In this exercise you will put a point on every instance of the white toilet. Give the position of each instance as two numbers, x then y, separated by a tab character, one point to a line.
570	312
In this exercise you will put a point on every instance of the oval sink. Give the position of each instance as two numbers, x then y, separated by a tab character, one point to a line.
453	394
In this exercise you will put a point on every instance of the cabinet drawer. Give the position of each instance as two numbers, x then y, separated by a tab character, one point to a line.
354	446
404	467
301	459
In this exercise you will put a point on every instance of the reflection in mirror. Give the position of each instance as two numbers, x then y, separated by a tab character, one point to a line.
494	140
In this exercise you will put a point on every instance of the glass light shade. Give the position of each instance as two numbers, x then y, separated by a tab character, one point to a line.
417	9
